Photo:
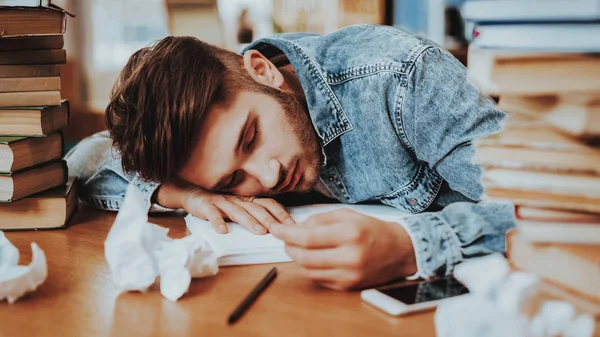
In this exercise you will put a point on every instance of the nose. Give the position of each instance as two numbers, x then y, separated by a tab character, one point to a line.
267	172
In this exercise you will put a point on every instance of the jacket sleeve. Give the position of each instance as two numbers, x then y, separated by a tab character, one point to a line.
441	115
97	167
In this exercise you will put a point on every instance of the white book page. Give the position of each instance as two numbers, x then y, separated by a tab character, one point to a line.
239	240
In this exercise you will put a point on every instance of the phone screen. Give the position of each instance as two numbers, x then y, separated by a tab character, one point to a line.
426	291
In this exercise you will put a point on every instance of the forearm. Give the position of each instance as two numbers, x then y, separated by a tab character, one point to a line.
101	179
106	190
462	230
169	196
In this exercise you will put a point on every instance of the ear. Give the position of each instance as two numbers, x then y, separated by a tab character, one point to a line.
262	70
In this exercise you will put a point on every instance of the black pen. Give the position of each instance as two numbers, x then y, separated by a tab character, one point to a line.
247	302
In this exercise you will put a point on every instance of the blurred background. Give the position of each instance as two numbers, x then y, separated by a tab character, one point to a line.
106	32
539	60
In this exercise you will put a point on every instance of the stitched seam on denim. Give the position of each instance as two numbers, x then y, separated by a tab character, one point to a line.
468	143
400	94
438	181
438	222
400	102
424	246
454	246
105	203
412	184
415	54
436	189
97	204
339	182
406	187
362	71
100	170
119	171
416	236
332	98
355	77
104	197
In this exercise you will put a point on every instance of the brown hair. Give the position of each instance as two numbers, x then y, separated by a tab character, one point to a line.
160	98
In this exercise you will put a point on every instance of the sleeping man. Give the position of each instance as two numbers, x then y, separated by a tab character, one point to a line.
366	113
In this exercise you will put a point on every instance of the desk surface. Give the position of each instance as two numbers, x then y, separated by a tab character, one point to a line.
79	298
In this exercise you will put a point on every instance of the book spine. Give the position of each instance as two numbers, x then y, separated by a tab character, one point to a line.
16	57
32	43
62	141
32	151
51	178
557	264
68	107
29	84
37	98
23	21
42	70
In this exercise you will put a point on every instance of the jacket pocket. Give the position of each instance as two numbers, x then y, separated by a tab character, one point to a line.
416	196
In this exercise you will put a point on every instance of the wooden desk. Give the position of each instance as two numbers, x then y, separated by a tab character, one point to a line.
79	298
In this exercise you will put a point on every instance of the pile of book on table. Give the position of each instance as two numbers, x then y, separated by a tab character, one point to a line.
34	189
542	60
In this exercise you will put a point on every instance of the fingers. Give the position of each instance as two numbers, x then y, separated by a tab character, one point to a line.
326	218
323	275
310	237
256	215
338	279
276	209
214	216
323	258
263	216
241	216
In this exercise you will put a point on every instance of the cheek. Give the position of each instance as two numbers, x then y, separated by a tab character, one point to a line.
284	139
279	128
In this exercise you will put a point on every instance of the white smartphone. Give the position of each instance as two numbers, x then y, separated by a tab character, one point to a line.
401	299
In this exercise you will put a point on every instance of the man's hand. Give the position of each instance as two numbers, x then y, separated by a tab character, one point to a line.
256	214
345	250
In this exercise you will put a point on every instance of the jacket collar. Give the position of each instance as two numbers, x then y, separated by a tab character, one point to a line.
326	113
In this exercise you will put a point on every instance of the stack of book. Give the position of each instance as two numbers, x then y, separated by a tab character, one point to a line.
542	60
34	189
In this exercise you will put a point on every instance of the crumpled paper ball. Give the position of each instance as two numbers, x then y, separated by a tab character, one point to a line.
138	252
492	308
15	280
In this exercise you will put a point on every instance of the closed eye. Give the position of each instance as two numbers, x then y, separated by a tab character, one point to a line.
254	134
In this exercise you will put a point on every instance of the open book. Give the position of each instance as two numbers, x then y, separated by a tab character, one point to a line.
240	247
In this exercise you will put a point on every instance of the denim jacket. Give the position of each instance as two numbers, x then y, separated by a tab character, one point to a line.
396	120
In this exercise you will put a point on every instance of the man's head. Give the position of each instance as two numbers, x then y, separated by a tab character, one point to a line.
183	109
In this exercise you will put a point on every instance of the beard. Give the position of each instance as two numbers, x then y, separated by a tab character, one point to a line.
305	134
